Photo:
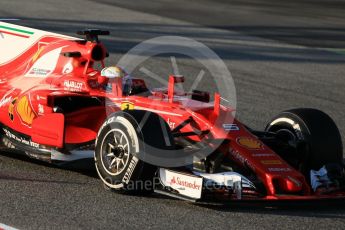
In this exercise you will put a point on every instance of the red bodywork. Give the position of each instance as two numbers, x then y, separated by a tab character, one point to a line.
28	101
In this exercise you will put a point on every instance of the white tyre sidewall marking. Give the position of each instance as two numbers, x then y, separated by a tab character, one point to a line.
133	136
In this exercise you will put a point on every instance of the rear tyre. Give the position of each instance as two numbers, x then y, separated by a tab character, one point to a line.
315	131
120	141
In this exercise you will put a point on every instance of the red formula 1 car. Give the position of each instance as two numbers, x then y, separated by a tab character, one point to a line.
57	107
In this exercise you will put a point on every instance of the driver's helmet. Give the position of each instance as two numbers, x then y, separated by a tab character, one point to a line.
118	72
113	72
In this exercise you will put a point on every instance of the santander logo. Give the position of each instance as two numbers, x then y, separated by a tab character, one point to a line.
184	183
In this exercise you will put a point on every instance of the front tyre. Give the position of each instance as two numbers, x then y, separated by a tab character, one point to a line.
316	131
119	141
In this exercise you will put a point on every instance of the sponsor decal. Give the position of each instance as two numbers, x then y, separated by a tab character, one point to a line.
171	123
45	64
184	184
271	162
15	31
231	127
74	86
5	101
127	177
22	140
249	143
11	109
6	98
238	156
40	109
279	169
39	72
68	68
263	154
127	105
25	111
38	97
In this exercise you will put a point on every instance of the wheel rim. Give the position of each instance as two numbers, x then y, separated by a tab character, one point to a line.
115	151
289	136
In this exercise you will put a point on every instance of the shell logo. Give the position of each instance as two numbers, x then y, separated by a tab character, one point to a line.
25	111
249	143
271	162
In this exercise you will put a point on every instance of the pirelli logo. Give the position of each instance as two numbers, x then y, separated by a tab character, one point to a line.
130	170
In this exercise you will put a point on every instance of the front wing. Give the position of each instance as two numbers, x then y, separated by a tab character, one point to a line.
229	188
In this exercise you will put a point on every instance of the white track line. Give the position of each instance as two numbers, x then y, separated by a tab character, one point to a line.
6	227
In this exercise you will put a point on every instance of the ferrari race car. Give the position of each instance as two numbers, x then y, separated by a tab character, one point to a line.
56	106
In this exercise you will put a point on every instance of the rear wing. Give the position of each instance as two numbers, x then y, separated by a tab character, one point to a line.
16	40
